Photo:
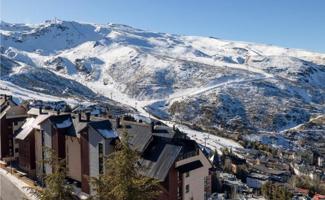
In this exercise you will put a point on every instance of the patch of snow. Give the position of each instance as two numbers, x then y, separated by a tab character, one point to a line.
65	124
107	133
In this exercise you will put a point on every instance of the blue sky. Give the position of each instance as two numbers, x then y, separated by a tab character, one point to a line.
288	23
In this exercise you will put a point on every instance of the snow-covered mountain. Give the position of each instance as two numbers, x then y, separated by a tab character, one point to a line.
203	80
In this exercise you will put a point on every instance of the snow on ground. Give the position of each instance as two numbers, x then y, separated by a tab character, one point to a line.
211	141
65	124
24	94
143	64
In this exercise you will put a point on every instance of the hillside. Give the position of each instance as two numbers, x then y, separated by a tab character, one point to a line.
200	80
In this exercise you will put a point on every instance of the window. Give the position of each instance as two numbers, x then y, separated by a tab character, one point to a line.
100	158
15	123
187	188
16	150
43	152
187	174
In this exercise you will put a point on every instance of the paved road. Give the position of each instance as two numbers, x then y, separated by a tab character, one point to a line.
8	191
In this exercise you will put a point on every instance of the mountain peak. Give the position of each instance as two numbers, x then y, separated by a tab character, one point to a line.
241	85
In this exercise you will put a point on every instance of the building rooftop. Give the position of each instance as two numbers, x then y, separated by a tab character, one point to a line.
158	158
270	171
139	134
104	128
258	176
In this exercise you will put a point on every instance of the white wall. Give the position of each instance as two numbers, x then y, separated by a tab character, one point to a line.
94	139
196	178
46	126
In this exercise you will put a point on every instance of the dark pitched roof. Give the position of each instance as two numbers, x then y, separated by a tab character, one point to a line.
187	144
139	134
16	112
163	131
104	128
263	169
190	166
78	125
63	122
158	158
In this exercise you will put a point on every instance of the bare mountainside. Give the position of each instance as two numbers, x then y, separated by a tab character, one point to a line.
199	80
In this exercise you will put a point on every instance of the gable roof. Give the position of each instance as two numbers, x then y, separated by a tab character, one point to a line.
163	131
27	128
16	112
4	112
2	101
78	125
104	128
31	124
158	158
39	119
139	134
63	122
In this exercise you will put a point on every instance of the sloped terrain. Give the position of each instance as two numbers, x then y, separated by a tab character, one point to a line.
206	81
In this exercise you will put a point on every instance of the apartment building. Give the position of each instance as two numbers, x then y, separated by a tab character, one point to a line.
12	117
84	141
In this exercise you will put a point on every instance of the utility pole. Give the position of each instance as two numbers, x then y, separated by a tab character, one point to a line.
205	142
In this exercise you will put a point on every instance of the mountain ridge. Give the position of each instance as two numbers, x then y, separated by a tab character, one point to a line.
164	72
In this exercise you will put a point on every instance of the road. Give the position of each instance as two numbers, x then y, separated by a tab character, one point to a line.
8	191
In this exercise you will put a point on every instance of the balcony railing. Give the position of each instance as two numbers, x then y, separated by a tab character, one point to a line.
188	155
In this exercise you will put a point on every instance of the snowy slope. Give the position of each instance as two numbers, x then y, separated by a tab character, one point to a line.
206	81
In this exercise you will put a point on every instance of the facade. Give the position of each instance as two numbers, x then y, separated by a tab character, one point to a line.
194	176
84	141
12	118
169	156
26	158
29	139
96	142
58	134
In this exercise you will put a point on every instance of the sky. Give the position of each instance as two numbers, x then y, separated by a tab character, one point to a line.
288	23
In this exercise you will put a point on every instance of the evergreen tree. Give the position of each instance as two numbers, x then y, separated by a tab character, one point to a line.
275	192
122	180
216	159
56	186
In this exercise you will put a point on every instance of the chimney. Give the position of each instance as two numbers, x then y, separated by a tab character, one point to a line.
5	97
152	127
79	116
58	112
88	116
40	110
118	122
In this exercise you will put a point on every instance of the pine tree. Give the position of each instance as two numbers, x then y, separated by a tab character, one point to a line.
56	186
122	180
216	160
